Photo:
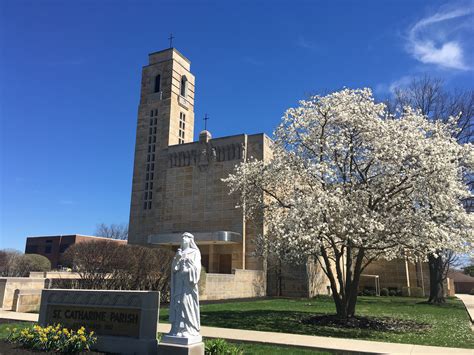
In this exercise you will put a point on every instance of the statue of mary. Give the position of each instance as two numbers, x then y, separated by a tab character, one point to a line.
184	303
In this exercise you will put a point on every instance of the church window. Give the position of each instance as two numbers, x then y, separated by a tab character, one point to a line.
153	148
154	130
151	176
151	113
184	86
149	205
156	113
155	121
158	83
182	119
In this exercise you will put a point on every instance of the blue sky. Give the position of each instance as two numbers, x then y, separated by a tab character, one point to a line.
70	75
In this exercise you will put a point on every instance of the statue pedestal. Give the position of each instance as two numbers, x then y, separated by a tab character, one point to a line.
173	339
174	345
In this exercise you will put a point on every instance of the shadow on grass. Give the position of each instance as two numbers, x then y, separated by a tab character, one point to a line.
281	321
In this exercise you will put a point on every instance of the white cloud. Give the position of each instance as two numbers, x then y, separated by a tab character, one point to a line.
441	39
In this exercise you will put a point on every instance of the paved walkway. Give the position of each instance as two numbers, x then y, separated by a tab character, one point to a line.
336	345
468	301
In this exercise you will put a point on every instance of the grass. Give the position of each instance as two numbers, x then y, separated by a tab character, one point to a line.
449	323
248	348
261	349
3	327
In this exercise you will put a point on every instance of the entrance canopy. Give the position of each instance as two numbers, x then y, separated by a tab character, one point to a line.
201	238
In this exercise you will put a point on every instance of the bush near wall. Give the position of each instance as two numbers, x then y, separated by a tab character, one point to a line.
16	264
109	266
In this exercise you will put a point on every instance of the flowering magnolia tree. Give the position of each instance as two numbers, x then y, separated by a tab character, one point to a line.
349	183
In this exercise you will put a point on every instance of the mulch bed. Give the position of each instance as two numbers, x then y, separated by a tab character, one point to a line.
7	348
370	323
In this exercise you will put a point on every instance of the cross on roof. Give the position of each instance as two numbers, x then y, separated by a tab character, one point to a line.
206	117
171	40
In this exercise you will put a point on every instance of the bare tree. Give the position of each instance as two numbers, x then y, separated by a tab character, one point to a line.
439	266
108	265
430	96
113	231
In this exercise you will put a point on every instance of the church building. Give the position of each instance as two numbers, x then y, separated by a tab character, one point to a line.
177	187
177	183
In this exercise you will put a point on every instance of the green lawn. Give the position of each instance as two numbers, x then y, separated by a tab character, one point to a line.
248	348
260	349
449	323
3	328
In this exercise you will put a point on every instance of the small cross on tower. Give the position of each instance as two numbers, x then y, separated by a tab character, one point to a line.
171	40
206	117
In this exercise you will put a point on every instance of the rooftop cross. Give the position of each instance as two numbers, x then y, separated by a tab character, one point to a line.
205	121
171	40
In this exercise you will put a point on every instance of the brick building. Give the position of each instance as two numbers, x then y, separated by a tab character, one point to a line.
54	246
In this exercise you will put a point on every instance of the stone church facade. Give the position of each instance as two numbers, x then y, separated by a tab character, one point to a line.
177	187
177	183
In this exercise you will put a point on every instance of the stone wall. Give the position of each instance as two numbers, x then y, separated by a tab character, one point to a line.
27	300
393	274
8	286
240	284
289	280
54	275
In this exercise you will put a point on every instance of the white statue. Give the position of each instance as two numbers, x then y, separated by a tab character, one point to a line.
184	303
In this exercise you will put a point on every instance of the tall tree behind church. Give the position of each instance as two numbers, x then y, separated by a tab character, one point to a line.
429	95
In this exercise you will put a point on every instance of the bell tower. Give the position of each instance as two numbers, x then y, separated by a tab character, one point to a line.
165	118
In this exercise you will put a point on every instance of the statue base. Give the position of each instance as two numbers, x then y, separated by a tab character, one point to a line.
180	349
174	339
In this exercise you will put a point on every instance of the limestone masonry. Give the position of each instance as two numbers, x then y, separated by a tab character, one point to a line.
177	183
177	188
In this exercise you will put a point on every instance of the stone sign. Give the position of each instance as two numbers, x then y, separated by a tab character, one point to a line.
124	321
104	321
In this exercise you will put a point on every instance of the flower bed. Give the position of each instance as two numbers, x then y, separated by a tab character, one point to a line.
52	338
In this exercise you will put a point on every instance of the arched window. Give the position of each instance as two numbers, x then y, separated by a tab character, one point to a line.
158	83
184	86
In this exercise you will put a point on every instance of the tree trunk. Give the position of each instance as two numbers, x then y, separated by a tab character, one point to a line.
344	287
436	267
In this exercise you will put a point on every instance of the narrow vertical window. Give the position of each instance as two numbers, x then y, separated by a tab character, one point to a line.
184	86
158	83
